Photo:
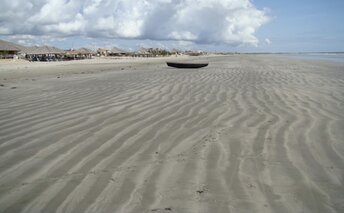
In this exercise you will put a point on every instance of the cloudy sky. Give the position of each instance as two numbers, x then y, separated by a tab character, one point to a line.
216	25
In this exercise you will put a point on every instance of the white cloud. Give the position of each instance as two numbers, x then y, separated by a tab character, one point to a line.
267	41
201	21
30	40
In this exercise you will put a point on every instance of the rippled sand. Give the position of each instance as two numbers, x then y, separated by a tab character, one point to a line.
245	134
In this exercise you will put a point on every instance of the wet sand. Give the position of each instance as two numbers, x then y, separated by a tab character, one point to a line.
248	133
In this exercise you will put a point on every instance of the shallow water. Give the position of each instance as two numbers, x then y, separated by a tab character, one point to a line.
333	57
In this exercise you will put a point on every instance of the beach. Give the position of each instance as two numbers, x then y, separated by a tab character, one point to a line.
248	133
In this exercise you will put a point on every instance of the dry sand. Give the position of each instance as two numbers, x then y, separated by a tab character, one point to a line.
246	134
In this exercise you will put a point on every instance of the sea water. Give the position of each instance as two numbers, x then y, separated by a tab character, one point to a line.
333	57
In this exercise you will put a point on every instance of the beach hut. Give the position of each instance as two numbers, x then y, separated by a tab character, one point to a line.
85	52
143	52
43	53
115	51
8	50
81	53
176	52
72	55
102	52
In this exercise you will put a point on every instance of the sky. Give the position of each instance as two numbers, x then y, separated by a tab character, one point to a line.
210	25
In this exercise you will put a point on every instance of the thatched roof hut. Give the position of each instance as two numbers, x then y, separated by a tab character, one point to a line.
118	51
8	49
143	52
43	53
102	51
115	51
84	50
8	46
80	53
176	51
43	50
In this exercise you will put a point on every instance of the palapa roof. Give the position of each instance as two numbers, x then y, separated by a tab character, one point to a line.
102	50
143	50
174	50
84	50
36	50
80	51
117	50
9	46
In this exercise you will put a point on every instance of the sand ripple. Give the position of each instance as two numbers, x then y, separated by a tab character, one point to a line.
246	134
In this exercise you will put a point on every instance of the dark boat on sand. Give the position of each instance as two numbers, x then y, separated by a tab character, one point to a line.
186	65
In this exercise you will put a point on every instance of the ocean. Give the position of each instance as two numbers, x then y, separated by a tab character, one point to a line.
333	57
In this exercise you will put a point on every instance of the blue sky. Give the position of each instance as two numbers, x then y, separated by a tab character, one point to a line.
215	25
305	25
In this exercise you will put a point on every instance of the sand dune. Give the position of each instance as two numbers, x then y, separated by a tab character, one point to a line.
246	134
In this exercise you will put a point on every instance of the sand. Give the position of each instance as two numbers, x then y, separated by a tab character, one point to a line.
248	133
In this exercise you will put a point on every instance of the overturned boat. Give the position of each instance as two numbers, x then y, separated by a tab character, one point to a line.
186	65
